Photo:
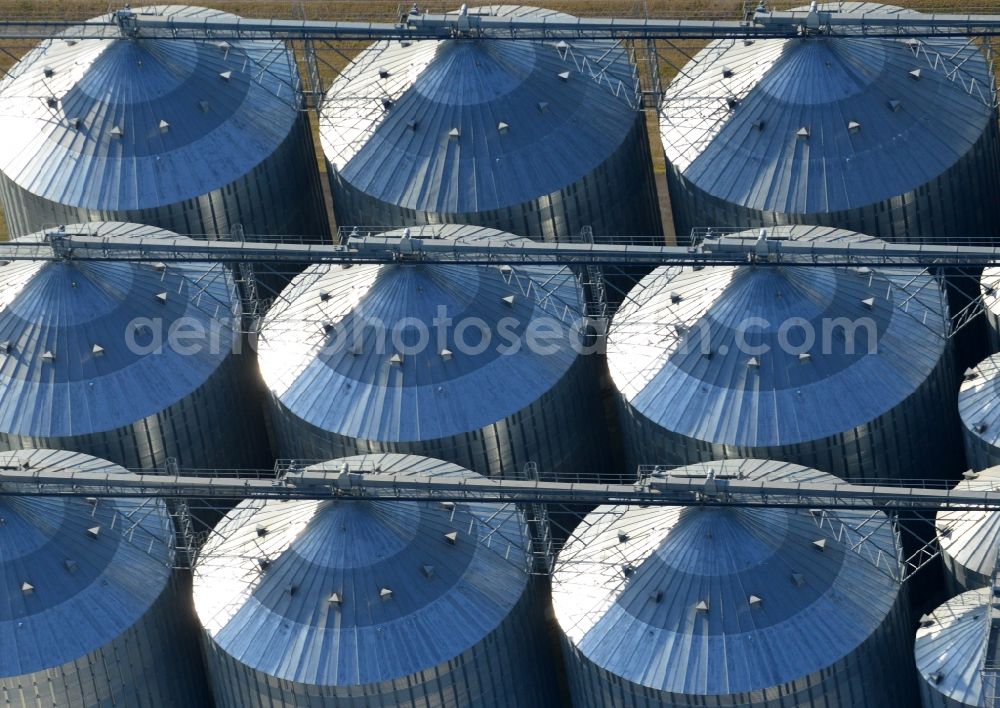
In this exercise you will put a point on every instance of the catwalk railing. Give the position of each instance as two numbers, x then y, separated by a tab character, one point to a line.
653	486
713	248
763	25
541	501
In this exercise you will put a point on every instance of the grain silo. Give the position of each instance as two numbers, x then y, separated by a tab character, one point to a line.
847	370
951	653
435	359
989	287
970	539
90	608
727	606
536	138
134	362
194	136
979	409
372	602
893	137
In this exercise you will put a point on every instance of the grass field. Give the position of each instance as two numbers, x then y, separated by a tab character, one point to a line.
672	56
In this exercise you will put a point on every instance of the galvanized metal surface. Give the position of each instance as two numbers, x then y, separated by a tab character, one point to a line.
950	648
979	408
970	540
89	607
130	361
418	25
717	363
193	136
725	607
538	139
342	357
371	603
989	287
858	133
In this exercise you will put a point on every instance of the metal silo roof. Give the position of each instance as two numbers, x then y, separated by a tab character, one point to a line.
990	287
675	353
359	592
67	329
466	125
979	401
972	538
322	356
75	574
824	124
136	123
951	646
723	600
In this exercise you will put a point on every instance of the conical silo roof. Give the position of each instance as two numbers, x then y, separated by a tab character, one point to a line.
951	650
468	125
979	405
135	123
724	600
989	285
822	124
341	348
76	574
970	539
359	592
79	339
722	354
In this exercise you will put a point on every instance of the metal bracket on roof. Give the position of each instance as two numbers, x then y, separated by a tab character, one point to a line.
597	69
953	67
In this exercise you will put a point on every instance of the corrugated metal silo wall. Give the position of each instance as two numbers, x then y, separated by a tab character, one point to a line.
281	195
993	329
903	443
962	201
930	698
959	579
618	198
562	432
507	668
219	425
149	664
979	454
876	675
